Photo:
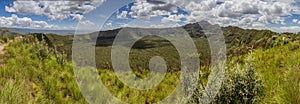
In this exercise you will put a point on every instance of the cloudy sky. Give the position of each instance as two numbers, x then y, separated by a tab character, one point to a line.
93	15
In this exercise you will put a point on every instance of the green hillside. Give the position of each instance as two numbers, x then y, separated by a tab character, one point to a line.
263	67
238	41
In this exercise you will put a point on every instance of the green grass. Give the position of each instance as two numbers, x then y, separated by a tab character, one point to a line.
133	96
31	72
34	73
13	92
279	67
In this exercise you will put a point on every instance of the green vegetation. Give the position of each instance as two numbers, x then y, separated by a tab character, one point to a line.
241	85
38	68
31	72
239	42
133	96
279	67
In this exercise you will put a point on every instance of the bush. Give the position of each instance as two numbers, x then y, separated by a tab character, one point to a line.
241	85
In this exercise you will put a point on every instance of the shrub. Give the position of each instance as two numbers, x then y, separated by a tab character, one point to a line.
241	85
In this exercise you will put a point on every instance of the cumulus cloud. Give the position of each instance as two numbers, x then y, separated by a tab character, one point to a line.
295	20
243	13
54	10
86	23
25	22
122	15
108	26
239	11
76	16
173	18
143	9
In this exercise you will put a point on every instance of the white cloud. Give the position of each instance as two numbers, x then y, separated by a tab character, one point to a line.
108	26
293	29
77	17
295	20
54	10
122	15
243	13
86	23
144	10
25	22
173	18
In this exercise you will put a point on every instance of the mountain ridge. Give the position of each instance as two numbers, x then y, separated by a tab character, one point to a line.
72	32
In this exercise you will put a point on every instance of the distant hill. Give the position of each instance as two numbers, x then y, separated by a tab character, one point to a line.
238	41
28	31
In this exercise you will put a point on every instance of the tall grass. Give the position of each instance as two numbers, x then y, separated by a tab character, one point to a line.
12	92
279	67
35	73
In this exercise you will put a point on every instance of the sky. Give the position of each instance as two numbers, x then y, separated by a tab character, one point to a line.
95	15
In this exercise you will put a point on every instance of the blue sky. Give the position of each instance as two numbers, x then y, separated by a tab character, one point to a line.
94	15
